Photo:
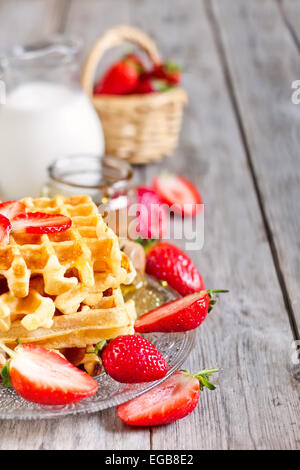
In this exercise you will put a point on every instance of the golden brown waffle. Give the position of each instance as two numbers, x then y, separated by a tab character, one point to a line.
88	326
62	290
63	259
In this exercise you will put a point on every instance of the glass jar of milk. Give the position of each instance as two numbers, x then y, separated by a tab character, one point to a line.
46	114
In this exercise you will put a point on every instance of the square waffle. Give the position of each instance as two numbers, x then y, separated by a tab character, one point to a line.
62	290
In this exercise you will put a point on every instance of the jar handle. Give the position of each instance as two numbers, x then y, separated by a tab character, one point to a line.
111	38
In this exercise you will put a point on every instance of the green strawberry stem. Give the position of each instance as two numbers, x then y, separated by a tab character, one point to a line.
6	382
146	242
203	377
212	300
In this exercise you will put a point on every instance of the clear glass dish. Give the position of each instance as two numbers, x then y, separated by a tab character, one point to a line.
174	346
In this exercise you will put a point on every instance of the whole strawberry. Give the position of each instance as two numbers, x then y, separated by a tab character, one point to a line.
174	399
169	263
133	359
168	71
151	85
183	314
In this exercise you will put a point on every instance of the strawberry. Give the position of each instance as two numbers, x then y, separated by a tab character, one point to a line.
181	314
5	228
174	399
152	216
134	59
133	359
11	209
178	193
45	377
169	263
168	71
39	223
151	85
120	79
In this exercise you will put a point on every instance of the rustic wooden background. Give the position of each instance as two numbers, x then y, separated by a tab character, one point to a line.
240	145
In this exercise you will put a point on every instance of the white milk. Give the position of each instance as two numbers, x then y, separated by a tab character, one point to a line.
41	122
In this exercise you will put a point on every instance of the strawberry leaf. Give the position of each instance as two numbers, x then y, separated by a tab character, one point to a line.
6	376
98	347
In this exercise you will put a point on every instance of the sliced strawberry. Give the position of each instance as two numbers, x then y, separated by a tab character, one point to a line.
133	359
39	223
171	264
43	376
152	215
178	193
11	209
172	400
181	314
5	228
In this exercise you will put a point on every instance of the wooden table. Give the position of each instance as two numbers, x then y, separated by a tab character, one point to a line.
240	145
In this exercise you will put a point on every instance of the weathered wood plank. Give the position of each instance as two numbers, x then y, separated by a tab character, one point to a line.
26	20
263	61
89	20
291	13
248	335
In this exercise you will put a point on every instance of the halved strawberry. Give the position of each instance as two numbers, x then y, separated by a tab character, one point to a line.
39	223
11	209
172	400
5	228
179	193
43	376
181	314
171	264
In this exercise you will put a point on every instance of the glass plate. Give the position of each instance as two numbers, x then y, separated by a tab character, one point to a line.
174	346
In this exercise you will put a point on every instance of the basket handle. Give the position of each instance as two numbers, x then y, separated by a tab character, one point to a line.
111	38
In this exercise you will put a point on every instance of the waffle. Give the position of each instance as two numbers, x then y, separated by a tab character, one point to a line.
62	290
62	259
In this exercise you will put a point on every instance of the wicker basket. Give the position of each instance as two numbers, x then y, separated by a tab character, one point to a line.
137	128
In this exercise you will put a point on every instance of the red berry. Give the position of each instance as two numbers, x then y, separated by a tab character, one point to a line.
169	263
151	85
39	223
5	228
181	314
11	209
174	399
152	215
43	376
121	79
168	71
133	359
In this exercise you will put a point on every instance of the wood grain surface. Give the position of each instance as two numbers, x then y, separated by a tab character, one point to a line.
239	144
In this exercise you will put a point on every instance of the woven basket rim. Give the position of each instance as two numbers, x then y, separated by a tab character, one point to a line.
157	97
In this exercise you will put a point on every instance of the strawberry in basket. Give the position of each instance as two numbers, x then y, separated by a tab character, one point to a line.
121	78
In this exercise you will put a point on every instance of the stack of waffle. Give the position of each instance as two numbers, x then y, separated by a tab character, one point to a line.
62	290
